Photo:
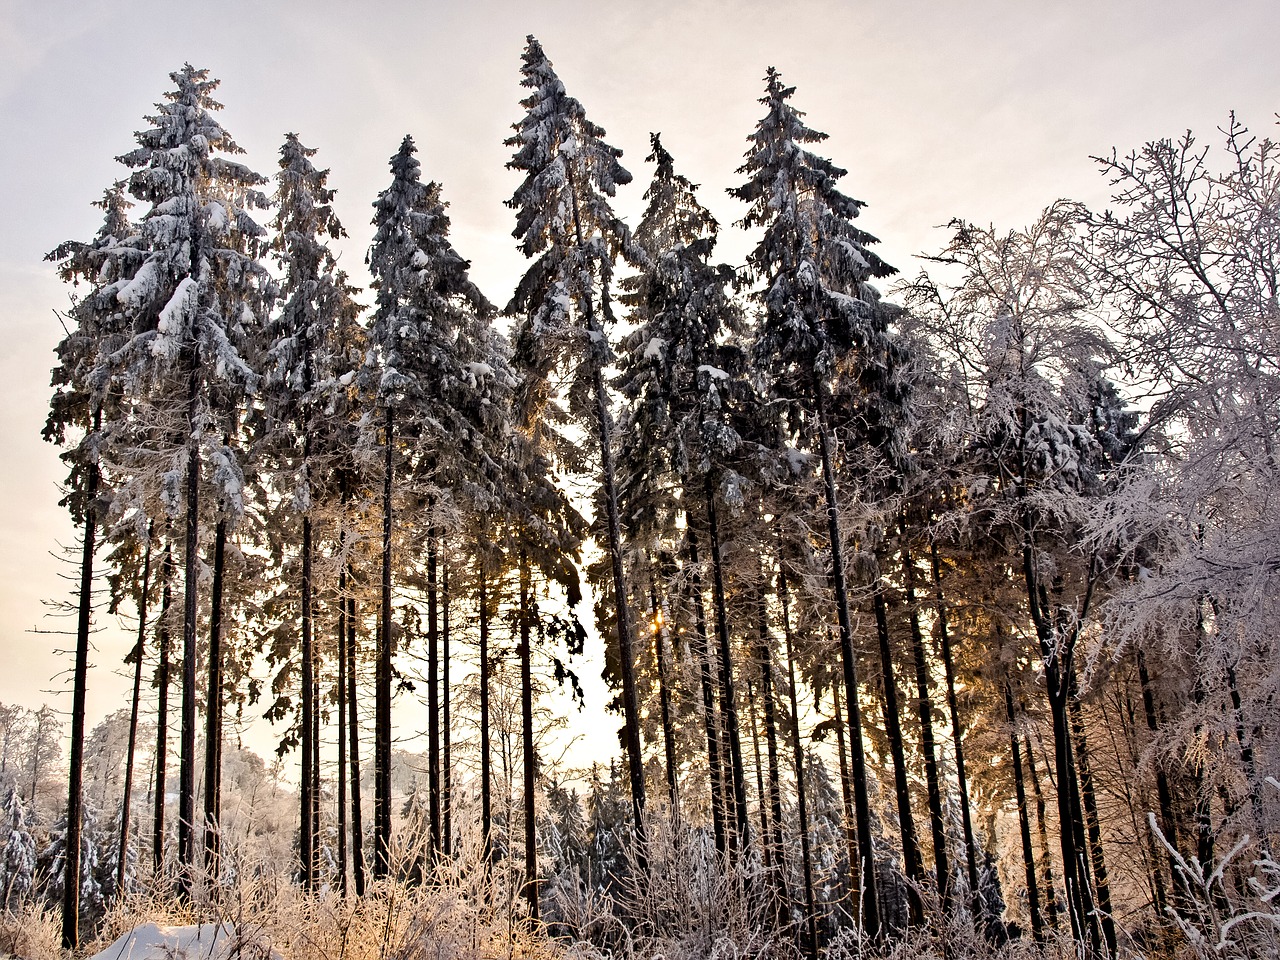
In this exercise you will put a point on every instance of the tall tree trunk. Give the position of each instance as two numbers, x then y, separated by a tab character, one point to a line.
957	735
530	761
126	801
306	796
924	711
1092	823
486	794
162	711
866	872
797	750
315	769
1042	829
1024	823
433	679
341	701
660	647
710	722
1164	795
187	751
213	711
902	790
728	699
774	837
353	731
382	695
446	785
75	777
762	803
846	795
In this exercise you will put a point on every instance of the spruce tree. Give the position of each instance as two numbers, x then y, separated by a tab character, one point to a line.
822	321
422	369
564	222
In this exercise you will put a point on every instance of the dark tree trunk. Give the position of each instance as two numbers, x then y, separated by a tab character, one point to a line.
315	769
187	751
902	790
738	833
530	761
1024	822
797	750
762	804
1042	829
213	711
660	642
433	680
924	711
866	873
846	795
1164	795
1092	823
162	711
353	731
957	738
75	777
711	724
382	695
306	796
773	838
341	701
446	738
486	795
126	802
626	655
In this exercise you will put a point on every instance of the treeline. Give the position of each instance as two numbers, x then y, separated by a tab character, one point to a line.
1002	549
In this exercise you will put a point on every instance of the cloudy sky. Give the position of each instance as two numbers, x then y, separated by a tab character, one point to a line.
987	110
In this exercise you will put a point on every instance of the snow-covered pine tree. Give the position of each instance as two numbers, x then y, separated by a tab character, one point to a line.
312	346
197	293
18	859
81	396
564	222
822	320
678	429
426	369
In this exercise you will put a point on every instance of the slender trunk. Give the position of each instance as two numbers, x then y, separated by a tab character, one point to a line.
162	711
728	700
213	711
626	656
957	735
797	750
710	722
1024	823
846	795
126	802
1164	795
187	751
382	696
433	680
486	795
315	769
660	642
762	804
341	698
866	873
446	785
773	838
530	761
902	790
306	798
1042	828
924	711
75	778
353	731
1092	823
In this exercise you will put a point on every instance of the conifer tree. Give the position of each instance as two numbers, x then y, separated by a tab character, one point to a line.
822	322
563	305
195	295
423	363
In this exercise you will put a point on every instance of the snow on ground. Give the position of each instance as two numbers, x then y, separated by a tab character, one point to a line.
205	941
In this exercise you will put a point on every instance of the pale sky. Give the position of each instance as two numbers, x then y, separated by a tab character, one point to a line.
987	110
